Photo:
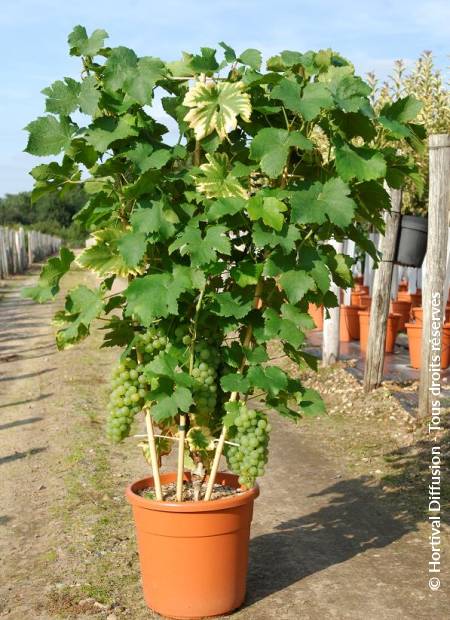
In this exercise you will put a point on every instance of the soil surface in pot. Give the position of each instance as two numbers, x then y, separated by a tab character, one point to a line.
169	492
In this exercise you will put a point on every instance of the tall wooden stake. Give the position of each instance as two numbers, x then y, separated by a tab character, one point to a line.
436	259
330	337
381	295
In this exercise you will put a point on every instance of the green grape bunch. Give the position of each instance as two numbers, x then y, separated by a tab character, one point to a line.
248	458
130	387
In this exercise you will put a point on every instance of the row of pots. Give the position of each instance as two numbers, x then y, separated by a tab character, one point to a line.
405	314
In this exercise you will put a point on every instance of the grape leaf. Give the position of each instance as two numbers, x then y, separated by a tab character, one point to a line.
132	247
269	209
234	382
168	406
403	110
360	163
311	403
246	273
271	147
106	130
315	97
267	237
156	296
252	58
140	83
51	274
62	97
216	181
225	206
202	250
151	218
119	68
231	304
216	106
89	95
48	136
271	379
82	45
82	306
296	283
323	201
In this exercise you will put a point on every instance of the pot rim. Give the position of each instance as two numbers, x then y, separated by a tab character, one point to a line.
193	507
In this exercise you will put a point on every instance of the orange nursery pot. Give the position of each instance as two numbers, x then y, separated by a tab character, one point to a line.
349	323
418	314
316	313
193	555
358	280
404	309
414	298
393	323
365	301
415	344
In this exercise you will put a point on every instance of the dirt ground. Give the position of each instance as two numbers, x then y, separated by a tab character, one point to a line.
339	530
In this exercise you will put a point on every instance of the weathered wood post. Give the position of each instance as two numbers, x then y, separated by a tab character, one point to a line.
436	259
381	294
330	336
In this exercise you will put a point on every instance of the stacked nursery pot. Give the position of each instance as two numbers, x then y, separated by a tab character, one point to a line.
392	328
403	308
414	331
316	313
358	291
349	323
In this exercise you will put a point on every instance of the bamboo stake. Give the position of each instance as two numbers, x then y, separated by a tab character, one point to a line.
233	398
151	445
180	468
153	455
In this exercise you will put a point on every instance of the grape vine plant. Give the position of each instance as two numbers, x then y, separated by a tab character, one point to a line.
211	239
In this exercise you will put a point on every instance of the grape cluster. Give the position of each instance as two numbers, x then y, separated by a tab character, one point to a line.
204	372
129	384
252	436
152	342
129	388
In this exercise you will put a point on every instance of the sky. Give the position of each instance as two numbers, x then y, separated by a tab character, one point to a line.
34	53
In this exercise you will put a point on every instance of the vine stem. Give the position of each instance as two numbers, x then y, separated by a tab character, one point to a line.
182	424
152	446
233	397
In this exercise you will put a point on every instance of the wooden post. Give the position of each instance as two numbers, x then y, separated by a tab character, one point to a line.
436	259
330	337
379	311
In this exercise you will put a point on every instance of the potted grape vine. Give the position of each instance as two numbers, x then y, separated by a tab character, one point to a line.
209	241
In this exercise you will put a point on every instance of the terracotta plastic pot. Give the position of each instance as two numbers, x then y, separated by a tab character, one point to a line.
357	292
349	323
404	309
391	330
403	286
316	313
365	301
414	298
415	344
445	354
418	314
414	331
193	555
358	280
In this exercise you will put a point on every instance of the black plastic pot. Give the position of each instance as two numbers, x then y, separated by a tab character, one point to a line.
411	241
